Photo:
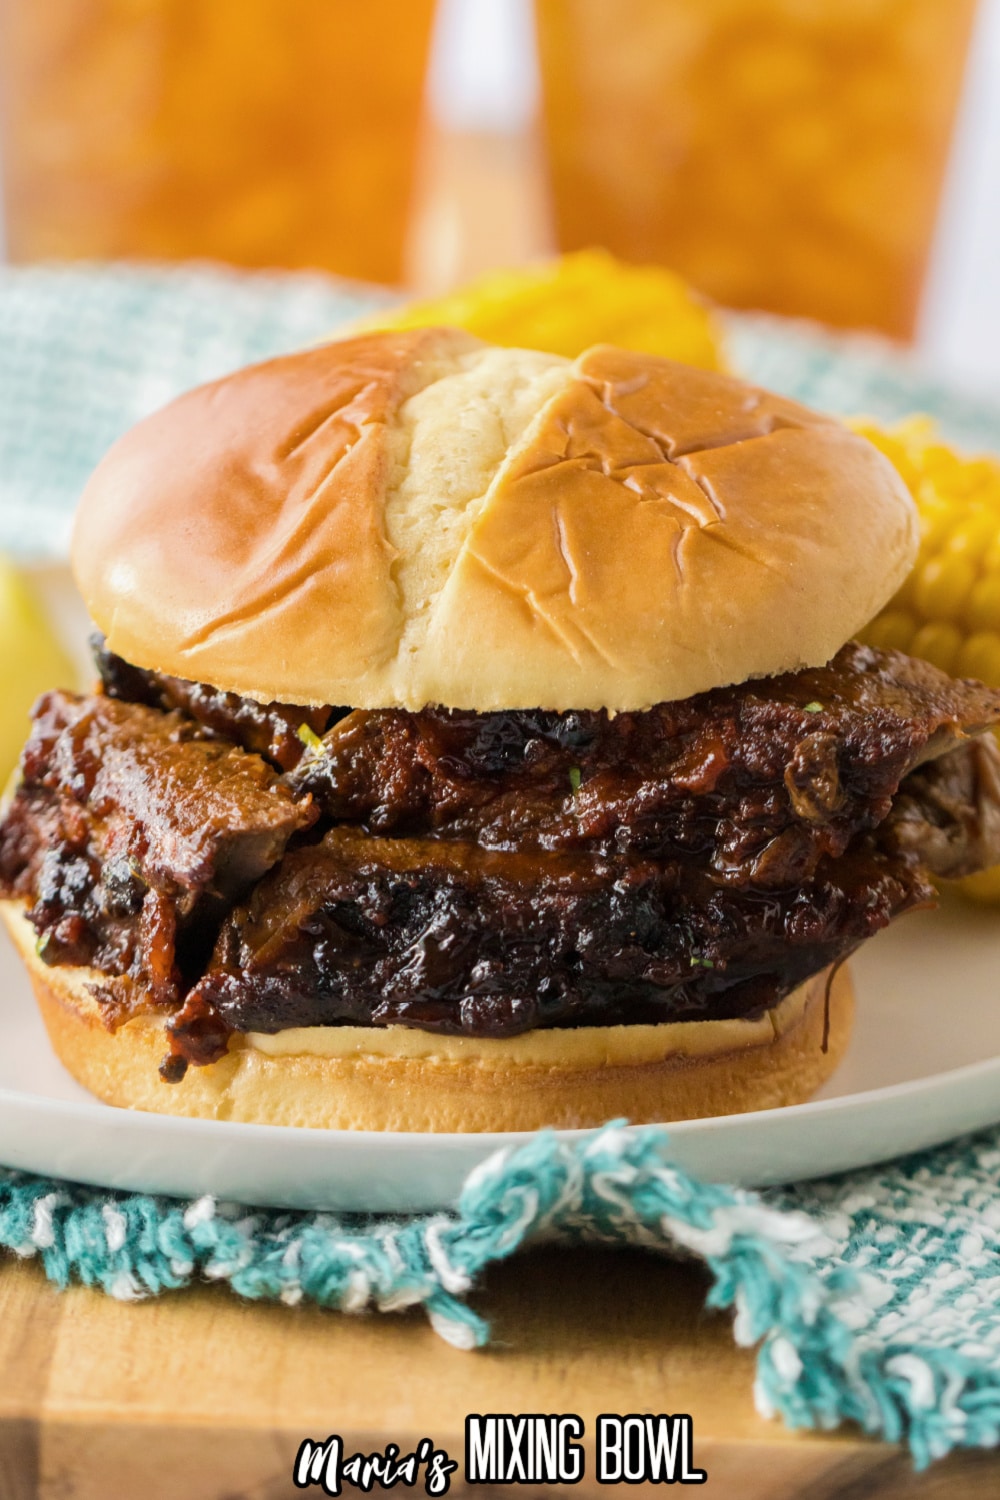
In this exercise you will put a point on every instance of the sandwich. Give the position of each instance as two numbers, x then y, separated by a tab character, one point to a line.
480	741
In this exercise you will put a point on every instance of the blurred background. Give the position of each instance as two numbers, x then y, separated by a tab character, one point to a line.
829	159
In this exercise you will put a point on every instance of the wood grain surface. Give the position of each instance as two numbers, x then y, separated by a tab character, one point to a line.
202	1396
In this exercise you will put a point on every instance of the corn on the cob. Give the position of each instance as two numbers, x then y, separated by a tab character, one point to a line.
565	305
948	610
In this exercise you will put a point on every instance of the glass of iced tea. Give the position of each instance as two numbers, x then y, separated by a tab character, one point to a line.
260	132
781	154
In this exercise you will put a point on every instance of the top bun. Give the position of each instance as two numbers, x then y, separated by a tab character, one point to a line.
417	517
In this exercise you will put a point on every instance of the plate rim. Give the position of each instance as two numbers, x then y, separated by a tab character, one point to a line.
499	1140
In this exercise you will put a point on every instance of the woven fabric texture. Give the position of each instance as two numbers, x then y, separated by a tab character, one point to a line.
874	1297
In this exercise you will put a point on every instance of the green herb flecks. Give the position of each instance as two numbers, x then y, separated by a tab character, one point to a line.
701	963
575	777
812	708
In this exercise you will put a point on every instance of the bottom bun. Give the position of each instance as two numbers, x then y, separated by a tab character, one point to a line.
396	1078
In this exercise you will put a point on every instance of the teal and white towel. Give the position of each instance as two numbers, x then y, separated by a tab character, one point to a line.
874	1297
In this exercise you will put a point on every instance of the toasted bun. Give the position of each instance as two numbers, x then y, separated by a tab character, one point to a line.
417	517
366	1078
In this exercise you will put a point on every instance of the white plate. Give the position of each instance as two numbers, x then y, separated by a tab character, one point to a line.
924	1065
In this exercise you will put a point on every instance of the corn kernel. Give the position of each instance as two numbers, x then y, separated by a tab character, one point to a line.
973	536
942	585
936	521
982	611
939	643
979	656
893	630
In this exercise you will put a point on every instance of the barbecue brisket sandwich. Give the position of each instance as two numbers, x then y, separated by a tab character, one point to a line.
476	746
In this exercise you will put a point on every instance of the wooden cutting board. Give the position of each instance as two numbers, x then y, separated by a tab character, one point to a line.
202	1396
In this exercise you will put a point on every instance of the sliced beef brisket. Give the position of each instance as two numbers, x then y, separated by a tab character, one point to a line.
278	731
947	813
758	782
448	937
129	827
489	873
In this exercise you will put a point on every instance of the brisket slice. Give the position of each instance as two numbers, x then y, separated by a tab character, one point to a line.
947	813
275	730
129	828
452	938
487	874
759	782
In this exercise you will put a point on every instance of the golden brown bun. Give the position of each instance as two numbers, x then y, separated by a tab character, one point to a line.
416	517
398	1079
